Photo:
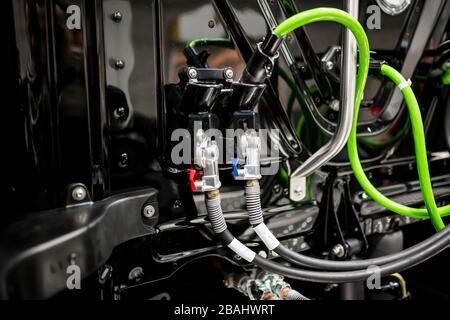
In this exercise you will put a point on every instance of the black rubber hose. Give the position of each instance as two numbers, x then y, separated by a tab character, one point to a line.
439	242
322	264
252	194
349	276
256	217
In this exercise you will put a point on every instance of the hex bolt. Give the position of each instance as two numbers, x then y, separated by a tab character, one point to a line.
79	194
228	73
192	73
119	113
119	64
149	211
335	105
329	65
338	251
117	16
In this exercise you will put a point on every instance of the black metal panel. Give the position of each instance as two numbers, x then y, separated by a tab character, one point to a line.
35	252
58	118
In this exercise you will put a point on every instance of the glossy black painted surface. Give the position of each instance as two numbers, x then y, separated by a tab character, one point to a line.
89	107
78	116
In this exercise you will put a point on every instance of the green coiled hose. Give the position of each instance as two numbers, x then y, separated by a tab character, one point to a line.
342	17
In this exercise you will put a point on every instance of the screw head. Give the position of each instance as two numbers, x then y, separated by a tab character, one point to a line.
119	113
149	211
119	64
117	16
177	204
269	68
338	251
277	188
329	65
79	194
192	73
124	160
229	73
335	105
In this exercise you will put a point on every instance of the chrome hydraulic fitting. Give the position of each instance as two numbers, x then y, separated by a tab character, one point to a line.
250	149
247	164
206	157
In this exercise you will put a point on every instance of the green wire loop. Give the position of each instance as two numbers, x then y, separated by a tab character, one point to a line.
342	17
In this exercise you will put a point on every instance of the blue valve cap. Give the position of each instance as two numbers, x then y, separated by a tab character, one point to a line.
235	162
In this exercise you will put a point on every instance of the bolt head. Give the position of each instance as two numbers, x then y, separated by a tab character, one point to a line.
338	251
335	105
79	194
149	211
192	73
229	73
119	113
117	16
277	188
329	65
177	204
119	64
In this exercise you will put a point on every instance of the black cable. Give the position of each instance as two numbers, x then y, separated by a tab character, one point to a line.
438	243
256	218
350	276
330	265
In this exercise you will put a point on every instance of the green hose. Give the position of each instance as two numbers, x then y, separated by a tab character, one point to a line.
421	155
335	15
219	42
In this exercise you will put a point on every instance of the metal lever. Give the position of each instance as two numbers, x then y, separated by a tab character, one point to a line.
347	108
